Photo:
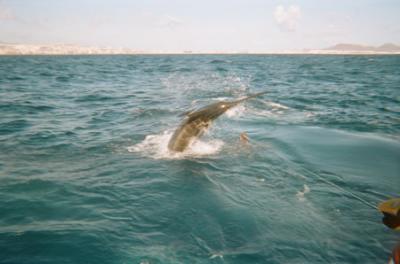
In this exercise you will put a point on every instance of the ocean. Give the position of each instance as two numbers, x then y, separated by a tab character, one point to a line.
86	176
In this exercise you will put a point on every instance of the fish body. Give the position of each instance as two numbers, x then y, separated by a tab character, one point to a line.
197	122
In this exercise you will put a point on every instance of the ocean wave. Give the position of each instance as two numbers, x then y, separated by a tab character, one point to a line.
93	98
13	126
15	78
26	107
185	69
151	112
217	61
63	79
183	85
221	69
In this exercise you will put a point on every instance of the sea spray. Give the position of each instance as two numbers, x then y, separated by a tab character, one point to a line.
156	147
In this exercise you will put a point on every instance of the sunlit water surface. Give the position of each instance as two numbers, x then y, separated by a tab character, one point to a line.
86	176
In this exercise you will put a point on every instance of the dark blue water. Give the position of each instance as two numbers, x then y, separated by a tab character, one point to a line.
85	175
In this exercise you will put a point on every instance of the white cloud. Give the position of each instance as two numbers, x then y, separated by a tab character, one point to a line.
5	13
170	21
287	18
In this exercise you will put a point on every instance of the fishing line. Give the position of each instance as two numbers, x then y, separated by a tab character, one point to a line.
342	189
365	202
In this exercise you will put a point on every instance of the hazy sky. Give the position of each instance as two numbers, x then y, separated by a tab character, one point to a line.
203	25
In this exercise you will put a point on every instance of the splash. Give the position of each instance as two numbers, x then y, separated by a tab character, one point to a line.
277	106
275	110
240	110
156	146
216	255
236	111
300	194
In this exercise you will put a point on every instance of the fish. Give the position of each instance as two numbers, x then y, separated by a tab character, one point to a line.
196	122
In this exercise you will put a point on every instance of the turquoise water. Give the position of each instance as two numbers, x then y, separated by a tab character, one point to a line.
85	175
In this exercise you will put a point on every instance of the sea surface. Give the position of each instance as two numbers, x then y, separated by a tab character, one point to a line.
86	176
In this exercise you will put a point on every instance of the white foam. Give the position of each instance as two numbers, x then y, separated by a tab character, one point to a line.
156	146
300	194
216	255
264	113
277	106
275	110
310	114
240	110
236	111
222	99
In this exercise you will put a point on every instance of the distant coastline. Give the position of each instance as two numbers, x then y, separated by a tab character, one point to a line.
68	49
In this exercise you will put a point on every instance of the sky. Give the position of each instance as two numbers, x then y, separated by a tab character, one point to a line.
205	25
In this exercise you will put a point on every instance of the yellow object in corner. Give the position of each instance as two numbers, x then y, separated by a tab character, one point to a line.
391	206
391	212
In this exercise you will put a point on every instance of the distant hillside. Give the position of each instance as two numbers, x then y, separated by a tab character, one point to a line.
60	49
387	47
70	49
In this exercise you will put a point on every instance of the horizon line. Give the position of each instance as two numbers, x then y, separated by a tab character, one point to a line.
76	49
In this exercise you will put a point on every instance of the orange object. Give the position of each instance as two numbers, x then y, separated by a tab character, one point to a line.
395	259
391	211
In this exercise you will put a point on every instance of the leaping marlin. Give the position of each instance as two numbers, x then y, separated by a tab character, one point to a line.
197	122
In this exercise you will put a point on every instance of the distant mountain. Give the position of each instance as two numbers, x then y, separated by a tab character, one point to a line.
350	47
389	47
345	47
